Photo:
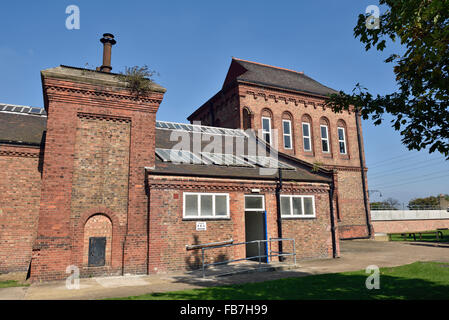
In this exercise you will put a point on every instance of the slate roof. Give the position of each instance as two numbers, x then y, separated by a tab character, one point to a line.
266	75
22	125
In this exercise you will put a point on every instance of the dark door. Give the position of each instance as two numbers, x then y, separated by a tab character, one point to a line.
255	230
97	251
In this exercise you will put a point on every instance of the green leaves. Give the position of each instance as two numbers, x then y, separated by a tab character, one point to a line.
421	104
138	79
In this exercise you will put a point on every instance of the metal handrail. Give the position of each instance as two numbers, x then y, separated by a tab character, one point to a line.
230	243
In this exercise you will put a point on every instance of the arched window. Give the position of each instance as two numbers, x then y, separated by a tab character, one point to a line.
267	125
246	118
307	132
287	131
342	134
324	132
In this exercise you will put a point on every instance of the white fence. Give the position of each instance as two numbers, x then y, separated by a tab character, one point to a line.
394	215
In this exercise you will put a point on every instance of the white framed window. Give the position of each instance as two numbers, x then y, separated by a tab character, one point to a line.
205	205
306	136
266	129
324	138
287	130
254	203
297	206
342	140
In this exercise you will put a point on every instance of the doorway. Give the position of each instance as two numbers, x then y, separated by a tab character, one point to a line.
255	226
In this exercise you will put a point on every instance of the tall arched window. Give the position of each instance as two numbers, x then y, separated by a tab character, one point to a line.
306	125
342	140
267	125
324	132
287	130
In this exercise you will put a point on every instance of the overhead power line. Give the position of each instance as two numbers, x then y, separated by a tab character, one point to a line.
427	178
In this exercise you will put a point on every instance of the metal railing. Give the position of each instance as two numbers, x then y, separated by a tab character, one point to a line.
230	243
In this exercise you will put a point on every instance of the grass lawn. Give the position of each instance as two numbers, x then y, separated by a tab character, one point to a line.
425	237
419	280
12	283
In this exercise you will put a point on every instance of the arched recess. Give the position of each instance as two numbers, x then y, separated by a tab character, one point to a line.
118	231
98	226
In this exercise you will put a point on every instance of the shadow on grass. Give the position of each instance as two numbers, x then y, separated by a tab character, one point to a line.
395	283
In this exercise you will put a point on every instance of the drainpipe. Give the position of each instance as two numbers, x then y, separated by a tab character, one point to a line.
331	200
362	166
278	206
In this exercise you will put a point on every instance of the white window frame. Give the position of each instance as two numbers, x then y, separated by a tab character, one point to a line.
325	139
256	196
306	137
342	141
267	132
199	216
289	135
302	207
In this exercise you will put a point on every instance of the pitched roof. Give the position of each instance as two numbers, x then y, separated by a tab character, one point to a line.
22	125
266	75
227	144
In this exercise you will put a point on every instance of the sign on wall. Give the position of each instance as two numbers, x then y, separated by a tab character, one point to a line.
201	226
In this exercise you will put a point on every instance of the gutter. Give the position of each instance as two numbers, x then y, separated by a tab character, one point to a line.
331	201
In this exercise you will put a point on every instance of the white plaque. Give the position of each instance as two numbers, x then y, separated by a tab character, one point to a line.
201	226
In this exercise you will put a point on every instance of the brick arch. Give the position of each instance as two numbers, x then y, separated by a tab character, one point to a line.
98	225
306	118
341	123
286	115
325	121
117	238
266	112
247	118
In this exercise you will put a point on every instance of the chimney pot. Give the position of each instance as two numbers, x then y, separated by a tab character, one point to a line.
107	41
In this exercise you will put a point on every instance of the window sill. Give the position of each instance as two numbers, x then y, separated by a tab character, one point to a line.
298	217
205	218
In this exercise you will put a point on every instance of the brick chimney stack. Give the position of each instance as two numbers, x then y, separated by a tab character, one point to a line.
107	41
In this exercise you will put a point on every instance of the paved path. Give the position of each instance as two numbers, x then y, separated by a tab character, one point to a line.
355	255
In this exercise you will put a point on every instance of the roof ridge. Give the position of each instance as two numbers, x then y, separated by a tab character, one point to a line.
268	65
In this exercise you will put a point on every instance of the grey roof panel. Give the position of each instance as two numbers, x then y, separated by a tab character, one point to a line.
281	78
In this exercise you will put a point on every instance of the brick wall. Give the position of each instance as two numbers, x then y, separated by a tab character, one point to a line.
279	105
169	233
20	184
100	137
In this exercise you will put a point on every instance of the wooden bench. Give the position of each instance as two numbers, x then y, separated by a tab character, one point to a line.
438	233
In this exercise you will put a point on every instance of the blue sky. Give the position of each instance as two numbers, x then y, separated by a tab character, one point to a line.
190	43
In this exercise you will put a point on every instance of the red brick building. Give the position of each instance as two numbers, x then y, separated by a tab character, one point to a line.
254	95
93	181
